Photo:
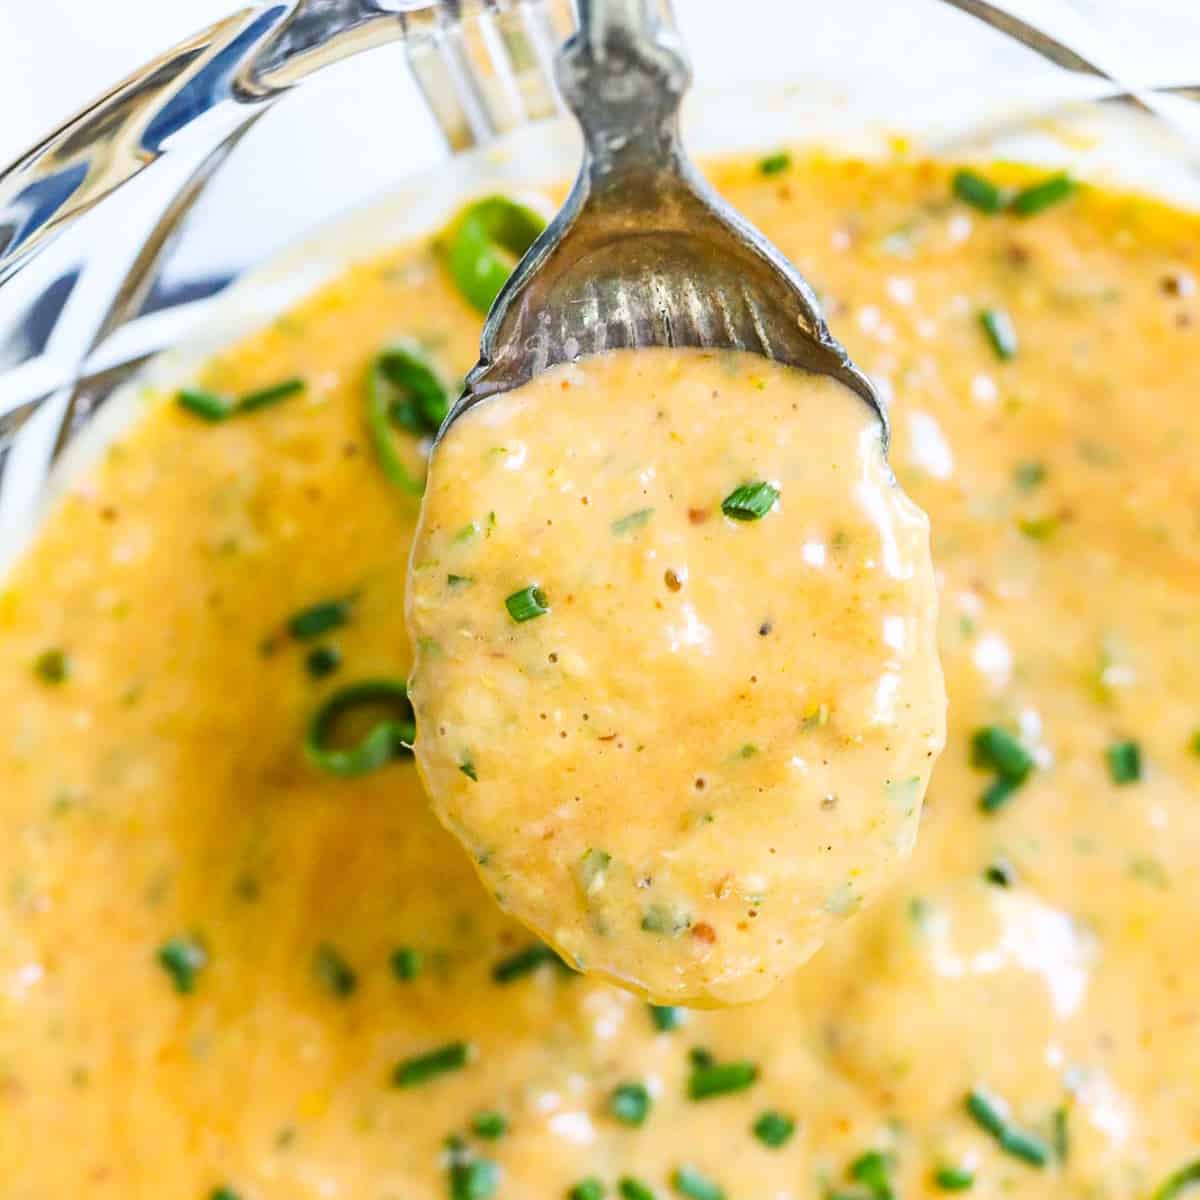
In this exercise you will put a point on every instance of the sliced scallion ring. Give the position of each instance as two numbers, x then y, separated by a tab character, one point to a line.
484	244
404	392
390	737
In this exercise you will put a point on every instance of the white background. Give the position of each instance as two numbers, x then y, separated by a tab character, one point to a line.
56	55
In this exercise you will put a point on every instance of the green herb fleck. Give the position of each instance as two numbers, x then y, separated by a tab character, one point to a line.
1041	195
223	1193
214	407
630	1103
1000	873
183	958
750	501
992	1116
667	1017
1039	529
873	1169
635	520
389	737
1000	331
593	870
489	1125
994	747
1029	475
1124	762
524	962
458	581
467	767
407	963
265	397
322	661
52	666
978	192
528	603
317	619
690	1182
1178	1181
587	1189
774	1129
720	1079
333	972
633	1189
473	1179
775	164
954	1179
661	918
421	1068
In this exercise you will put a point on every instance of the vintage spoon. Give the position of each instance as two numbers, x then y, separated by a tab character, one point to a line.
644	252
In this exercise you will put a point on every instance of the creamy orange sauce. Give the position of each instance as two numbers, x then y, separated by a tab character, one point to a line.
701	741
1043	950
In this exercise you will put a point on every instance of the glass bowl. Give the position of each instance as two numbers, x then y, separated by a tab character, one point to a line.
178	211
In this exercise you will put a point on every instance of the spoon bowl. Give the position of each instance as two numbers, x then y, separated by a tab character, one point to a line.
644	253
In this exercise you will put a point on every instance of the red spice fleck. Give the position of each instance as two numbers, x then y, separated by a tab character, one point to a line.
704	932
698	516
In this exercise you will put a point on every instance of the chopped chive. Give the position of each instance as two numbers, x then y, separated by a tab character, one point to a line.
593	870
1029	475
774	1129
528	603
873	1169
1124	762
587	1189
322	661
473	1179
978	192
1178	1181
524	962
457	581
390	737
333	972
317	619
1062	1135
997	794
775	164
750	501
208	406
660	918
690	1182
421	1068
407	963
633	1189
630	1103
483	244
1000	872
635	520
993	746
954	1179
489	1125
405	393
1195	742
265	397
1001	333
719	1079
1039	529
183	958
698	1056
223	1193
467	767
667	1017
990	1116
52	666
1040	196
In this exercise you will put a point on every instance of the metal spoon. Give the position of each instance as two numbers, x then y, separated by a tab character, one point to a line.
644	252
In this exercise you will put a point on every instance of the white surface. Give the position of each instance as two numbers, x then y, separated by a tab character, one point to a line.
57	55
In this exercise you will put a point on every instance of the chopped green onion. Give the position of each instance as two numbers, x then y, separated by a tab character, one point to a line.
630	1103
403	392
978	192
1000	872
1179	1181
1042	195
525	962
421	1068
633	1189
661	918
473	1179
388	738
183	958
265	397
634	520
587	1189
1062	1135
322	661
407	963
484	243
750	501
1124	762
223	1193
719	1079
489	1125
467	767
775	164
992	1117
333	972
667	1017
954	1179
1039	529
1001	333
698	1056
994	747
873	1169
1195	742
997	794
774	1129
1028	475
526	604
319	618
457	581
208	406
690	1182
52	666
